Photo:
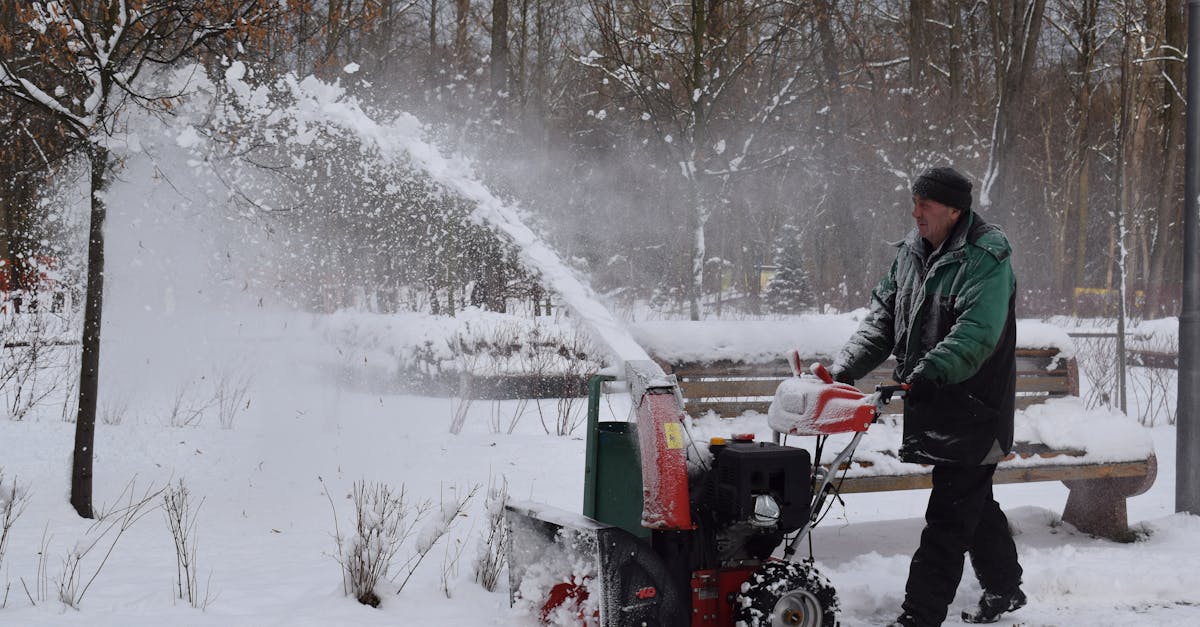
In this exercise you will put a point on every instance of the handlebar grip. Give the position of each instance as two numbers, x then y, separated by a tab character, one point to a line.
821	372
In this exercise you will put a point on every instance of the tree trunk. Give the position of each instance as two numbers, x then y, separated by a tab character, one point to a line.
917	100
521	80
539	68
1086	29
954	66
431	70
15	203
697	79
1017	27
1081	230
1164	253
499	52
838	259
302	41
698	219
462	13
89	372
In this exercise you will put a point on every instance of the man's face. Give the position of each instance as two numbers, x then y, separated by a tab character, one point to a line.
934	220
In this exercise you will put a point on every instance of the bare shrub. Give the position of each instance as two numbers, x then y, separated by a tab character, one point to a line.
181	512
468	350
538	363
461	404
114	410
70	405
78	573
231	390
42	582
13	501
450	561
1156	385
383	521
574	352
447	514
1097	364
493	552
34	362
188	406
499	423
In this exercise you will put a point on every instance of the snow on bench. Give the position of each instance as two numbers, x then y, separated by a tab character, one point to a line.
1100	455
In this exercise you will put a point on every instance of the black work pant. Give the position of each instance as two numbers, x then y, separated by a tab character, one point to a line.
962	517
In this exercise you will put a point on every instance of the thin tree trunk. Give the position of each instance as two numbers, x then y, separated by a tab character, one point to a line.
954	65
1124	193
696	269
917	97
89	372
499	51
1081	217
699	138
1083	151
462	12
12	206
433	42
522	78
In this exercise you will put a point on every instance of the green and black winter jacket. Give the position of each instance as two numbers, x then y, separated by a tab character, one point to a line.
947	315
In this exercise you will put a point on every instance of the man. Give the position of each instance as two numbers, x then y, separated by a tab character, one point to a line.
945	310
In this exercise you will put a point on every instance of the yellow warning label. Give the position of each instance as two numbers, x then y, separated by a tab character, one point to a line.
674	433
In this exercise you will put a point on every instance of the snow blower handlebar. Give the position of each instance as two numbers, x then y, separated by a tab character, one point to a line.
822	407
884	393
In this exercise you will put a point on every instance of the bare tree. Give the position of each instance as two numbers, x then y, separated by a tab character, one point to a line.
1167	244
1016	30
82	64
708	81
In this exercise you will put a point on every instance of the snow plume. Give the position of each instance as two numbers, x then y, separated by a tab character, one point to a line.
310	113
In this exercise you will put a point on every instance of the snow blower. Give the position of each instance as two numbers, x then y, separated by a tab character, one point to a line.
671	536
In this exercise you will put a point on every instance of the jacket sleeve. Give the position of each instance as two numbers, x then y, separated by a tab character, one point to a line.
872	343
982	310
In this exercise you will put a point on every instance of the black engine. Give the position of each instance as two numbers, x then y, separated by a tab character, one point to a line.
750	497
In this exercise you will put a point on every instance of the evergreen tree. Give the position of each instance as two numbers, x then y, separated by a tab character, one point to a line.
789	290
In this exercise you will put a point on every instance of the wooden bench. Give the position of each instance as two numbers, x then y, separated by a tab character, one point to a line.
1096	502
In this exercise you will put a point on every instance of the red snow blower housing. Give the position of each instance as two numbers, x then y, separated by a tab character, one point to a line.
691	538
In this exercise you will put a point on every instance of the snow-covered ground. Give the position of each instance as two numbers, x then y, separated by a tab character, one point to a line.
266	525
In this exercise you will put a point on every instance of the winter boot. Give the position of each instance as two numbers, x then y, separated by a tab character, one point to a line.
906	620
993	604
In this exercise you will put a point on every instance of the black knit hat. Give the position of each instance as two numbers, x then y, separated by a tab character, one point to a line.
945	185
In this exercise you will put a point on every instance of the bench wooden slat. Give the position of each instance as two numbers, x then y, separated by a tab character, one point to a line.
1152	359
725	409
1004	474
737	388
1042	384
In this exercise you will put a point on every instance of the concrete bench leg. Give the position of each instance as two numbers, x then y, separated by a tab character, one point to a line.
1097	506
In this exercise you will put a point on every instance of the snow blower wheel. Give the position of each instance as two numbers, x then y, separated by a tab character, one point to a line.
785	594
